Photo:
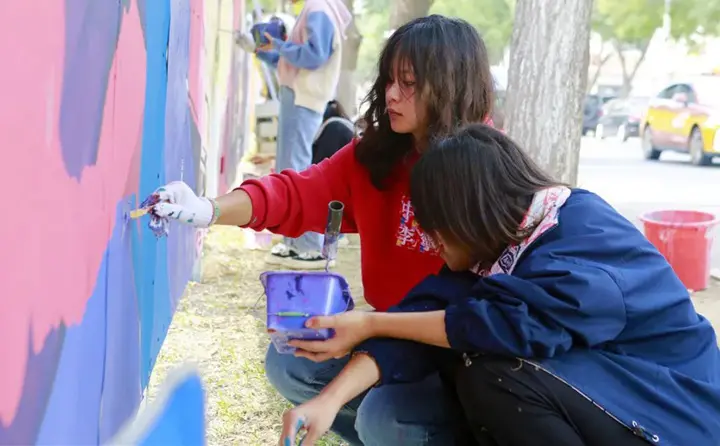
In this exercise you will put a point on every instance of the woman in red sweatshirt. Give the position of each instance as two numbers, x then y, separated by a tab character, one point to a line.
433	76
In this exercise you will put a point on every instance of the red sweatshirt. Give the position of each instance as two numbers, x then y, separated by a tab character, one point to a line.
396	254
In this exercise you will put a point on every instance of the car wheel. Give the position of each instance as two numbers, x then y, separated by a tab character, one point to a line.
600	131
622	133
696	147
649	150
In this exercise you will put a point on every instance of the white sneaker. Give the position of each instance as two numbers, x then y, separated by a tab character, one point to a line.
312	260
278	254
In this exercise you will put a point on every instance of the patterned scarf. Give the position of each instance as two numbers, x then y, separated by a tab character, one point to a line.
543	215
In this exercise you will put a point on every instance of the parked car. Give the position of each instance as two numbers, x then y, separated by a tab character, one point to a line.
621	118
685	117
592	111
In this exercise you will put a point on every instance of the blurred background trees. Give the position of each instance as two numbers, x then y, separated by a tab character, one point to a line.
576	54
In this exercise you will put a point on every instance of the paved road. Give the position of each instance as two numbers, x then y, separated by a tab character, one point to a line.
617	172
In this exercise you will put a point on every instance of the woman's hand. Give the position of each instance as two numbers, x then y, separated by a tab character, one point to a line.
178	201
351	328
245	41
315	416
266	46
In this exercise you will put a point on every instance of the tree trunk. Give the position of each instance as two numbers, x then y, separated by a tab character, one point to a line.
405	10
347	86
546	82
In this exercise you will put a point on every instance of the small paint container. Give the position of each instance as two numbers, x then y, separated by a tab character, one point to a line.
295	296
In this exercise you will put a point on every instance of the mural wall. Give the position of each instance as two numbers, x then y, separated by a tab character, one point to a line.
102	102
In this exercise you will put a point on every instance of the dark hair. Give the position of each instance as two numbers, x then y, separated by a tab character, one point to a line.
475	187
452	73
334	110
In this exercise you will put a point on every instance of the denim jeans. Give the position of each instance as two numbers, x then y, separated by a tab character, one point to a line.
399	414
297	127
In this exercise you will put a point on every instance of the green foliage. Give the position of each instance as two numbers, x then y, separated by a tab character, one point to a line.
633	22
266	5
372	22
492	18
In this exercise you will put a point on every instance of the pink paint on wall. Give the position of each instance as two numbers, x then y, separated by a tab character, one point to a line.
55	229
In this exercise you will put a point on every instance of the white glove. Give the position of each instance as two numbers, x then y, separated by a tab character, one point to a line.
179	202
245	41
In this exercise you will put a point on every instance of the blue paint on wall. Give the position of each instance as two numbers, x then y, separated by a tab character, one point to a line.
149	254
181	420
175	417
121	392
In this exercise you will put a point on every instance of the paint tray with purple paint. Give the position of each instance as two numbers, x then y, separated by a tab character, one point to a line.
275	27
295	296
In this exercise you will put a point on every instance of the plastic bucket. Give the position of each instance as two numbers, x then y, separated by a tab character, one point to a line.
685	239
310	293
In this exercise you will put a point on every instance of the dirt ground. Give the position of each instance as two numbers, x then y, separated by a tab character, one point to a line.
216	328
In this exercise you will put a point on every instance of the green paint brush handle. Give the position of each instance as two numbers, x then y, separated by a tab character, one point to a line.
289	314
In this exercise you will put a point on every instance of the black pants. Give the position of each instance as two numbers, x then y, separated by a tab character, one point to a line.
510	403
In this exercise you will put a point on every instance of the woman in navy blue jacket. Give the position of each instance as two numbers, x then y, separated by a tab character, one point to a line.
561	323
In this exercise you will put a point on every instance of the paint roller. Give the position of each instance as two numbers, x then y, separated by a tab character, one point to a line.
332	231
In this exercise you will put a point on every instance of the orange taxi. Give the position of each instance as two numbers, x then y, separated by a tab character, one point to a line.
684	117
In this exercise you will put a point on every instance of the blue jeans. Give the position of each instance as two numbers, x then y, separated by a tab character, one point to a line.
297	127
399	414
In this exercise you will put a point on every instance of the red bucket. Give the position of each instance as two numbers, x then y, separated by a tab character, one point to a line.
685	239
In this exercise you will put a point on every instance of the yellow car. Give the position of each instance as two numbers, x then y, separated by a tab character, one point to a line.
685	117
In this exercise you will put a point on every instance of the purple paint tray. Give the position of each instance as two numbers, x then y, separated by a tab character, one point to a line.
312	293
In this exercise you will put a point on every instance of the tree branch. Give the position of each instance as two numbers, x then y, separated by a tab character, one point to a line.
640	60
596	74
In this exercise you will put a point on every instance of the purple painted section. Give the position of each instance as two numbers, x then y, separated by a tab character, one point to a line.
73	411
39	380
179	154
91	35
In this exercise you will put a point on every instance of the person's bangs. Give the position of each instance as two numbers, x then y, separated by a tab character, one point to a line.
406	53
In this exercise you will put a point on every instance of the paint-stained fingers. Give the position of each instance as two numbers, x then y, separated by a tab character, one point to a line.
292	424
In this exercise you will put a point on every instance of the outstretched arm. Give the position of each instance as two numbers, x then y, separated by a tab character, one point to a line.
291	203
317	48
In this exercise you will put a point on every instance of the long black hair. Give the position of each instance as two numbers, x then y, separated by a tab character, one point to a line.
452	77
475	187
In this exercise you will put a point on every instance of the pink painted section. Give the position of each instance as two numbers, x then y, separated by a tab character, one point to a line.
55	230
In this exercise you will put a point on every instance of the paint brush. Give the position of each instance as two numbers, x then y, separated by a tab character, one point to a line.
137	213
289	314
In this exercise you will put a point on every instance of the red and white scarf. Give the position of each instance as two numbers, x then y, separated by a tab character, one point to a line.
543	214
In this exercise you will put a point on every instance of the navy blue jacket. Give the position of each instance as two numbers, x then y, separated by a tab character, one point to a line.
593	303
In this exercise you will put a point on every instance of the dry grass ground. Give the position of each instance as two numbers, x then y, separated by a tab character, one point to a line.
215	329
